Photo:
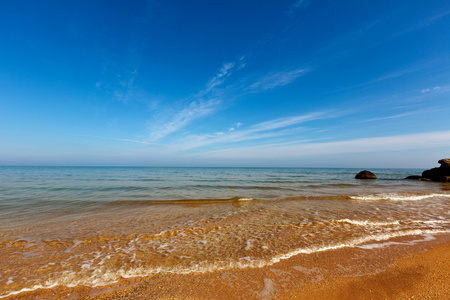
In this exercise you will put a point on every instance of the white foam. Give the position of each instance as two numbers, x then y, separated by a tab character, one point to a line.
432	222
35	287
354	242
397	197
245	199
366	223
427	237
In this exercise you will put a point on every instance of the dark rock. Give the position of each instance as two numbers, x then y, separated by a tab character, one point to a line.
445	162
439	174
432	174
365	175
445	179
414	177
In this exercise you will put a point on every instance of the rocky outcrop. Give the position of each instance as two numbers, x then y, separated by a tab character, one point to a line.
445	163
441	174
413	177
365	175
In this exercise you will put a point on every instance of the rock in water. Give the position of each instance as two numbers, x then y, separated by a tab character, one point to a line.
365	175
413	177
439	174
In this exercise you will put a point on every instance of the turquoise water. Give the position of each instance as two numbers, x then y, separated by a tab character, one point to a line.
91	226
40	187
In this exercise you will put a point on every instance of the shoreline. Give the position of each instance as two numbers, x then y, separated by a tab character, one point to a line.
392	272
407	267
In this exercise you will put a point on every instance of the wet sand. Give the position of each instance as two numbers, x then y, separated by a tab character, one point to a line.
423	275
397	271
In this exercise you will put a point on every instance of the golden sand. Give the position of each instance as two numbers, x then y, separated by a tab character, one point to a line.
424	275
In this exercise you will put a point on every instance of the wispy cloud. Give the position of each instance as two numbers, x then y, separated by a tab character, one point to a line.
195	110
277	79
123	91
385	77
395	74
118	75
201	104
220	138
224	72
434	89
298	5
280	127
288	121
423	23
207	101
363	145
235	126
114	139
389	117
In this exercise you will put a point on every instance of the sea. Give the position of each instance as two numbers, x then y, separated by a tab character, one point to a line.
93	226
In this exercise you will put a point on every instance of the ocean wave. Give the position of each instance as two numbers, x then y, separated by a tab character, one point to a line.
398	197
366	223
181	201
431	222
355	242
239	187
245	199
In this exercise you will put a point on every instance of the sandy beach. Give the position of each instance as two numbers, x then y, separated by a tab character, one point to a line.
418	271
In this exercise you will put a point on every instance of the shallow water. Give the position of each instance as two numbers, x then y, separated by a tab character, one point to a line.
93	226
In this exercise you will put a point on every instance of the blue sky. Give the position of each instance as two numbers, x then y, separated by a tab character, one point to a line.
225	83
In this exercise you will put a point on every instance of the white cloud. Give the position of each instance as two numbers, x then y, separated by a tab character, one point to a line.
193	111
234	136
277	79
389	117
363	145
224	72
434	89
241	62
114	139
298	5
201	105
270	129
235	126
396	74
287	121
